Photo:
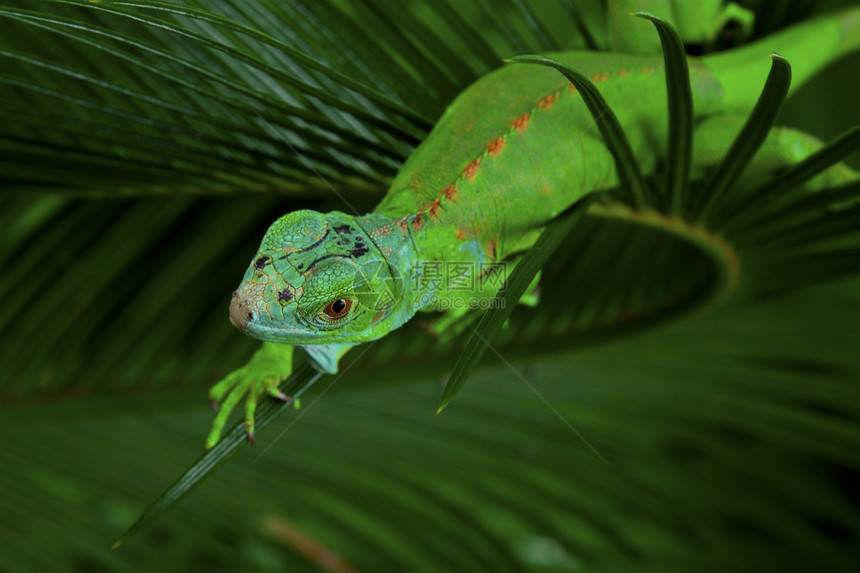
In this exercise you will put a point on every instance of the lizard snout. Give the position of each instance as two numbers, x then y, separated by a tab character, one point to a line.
240	315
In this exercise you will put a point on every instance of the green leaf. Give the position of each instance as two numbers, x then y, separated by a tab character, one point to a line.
588	37
303	60
225	122
680	97
752	135
786	185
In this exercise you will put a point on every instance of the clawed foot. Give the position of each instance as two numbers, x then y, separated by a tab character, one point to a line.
269	366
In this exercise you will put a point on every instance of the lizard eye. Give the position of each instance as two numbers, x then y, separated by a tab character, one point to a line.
337	308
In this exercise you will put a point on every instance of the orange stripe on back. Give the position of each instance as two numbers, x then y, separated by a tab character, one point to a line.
434	208
472	169
521	122
546	103
496	146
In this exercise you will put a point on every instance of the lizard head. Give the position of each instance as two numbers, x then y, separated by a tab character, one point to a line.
325	279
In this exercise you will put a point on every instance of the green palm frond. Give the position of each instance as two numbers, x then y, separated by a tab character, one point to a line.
146	146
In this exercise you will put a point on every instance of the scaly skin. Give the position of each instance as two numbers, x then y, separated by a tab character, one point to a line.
477	191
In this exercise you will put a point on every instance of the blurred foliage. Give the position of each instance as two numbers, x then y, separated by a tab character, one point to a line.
140	165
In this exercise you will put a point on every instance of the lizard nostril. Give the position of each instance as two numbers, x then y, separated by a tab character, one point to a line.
250	316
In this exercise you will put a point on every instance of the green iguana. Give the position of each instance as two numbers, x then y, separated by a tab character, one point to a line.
499	165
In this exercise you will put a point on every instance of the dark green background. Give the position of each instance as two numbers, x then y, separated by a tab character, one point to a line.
730	436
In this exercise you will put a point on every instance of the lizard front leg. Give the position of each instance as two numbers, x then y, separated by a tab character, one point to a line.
270	365
460	313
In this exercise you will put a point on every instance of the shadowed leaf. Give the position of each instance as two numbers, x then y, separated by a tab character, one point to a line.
300	380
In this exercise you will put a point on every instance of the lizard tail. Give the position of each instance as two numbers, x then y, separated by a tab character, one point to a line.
809	47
